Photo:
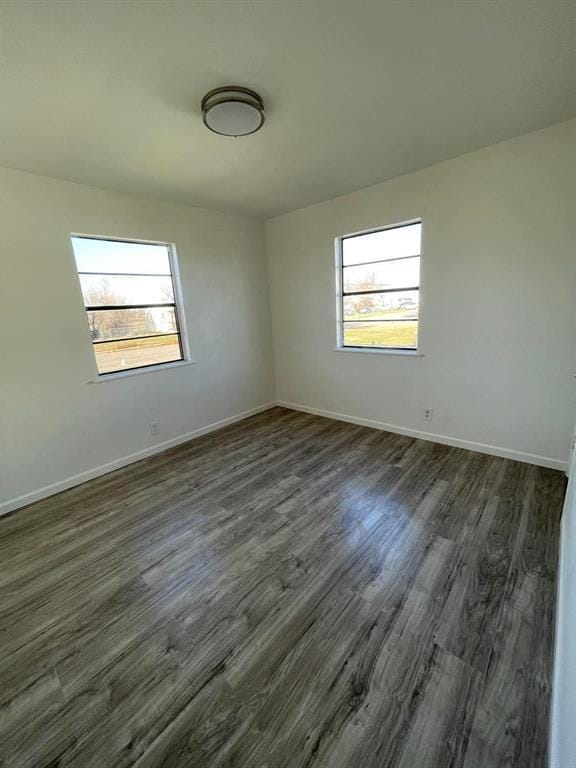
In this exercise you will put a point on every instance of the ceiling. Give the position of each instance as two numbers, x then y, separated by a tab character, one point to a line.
107	93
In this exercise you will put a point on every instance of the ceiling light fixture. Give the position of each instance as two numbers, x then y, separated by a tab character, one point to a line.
233	111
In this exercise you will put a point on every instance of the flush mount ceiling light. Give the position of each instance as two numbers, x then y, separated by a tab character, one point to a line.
233	111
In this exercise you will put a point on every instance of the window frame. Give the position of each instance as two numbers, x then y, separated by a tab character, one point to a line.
178	305
341	294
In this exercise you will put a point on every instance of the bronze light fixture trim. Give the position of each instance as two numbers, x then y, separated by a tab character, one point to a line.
233	111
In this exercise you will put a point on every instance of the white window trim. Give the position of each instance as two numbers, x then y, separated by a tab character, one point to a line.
382	351
102	379
178	300
338	241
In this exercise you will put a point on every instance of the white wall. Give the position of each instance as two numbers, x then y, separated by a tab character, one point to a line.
563	732
54	424
498	322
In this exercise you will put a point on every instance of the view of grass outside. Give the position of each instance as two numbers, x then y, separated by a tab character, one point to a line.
380	279
403	335
136	353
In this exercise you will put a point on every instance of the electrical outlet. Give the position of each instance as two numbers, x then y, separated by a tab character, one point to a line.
153	427
428	414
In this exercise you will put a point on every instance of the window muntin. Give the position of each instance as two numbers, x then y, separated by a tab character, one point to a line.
382	276
98	290
394	243
380	282
403	303
130	298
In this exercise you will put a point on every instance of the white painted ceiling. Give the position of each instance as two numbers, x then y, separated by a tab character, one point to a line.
107	92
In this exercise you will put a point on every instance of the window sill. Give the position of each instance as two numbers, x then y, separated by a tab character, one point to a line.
369	351
137	371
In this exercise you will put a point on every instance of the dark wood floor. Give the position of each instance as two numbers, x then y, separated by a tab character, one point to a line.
289	591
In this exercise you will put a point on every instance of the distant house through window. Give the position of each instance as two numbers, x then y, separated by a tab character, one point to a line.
131	299
379	288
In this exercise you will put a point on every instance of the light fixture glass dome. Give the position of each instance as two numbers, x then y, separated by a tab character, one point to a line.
233	111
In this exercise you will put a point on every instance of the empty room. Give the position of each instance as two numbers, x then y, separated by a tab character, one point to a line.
287	384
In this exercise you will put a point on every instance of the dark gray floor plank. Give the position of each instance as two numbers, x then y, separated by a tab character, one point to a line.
290	591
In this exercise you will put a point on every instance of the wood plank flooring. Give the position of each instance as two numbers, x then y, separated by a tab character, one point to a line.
288	592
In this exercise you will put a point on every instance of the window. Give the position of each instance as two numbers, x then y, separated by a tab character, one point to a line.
130	294
379	288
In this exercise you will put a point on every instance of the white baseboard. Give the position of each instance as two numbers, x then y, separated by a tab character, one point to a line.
104	469
493	450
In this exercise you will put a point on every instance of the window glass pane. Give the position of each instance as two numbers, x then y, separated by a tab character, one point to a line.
110	256
101	290
387	244
384	334
122	323
394	274
382	306
123	355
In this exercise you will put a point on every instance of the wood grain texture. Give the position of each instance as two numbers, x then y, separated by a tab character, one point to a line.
288	592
